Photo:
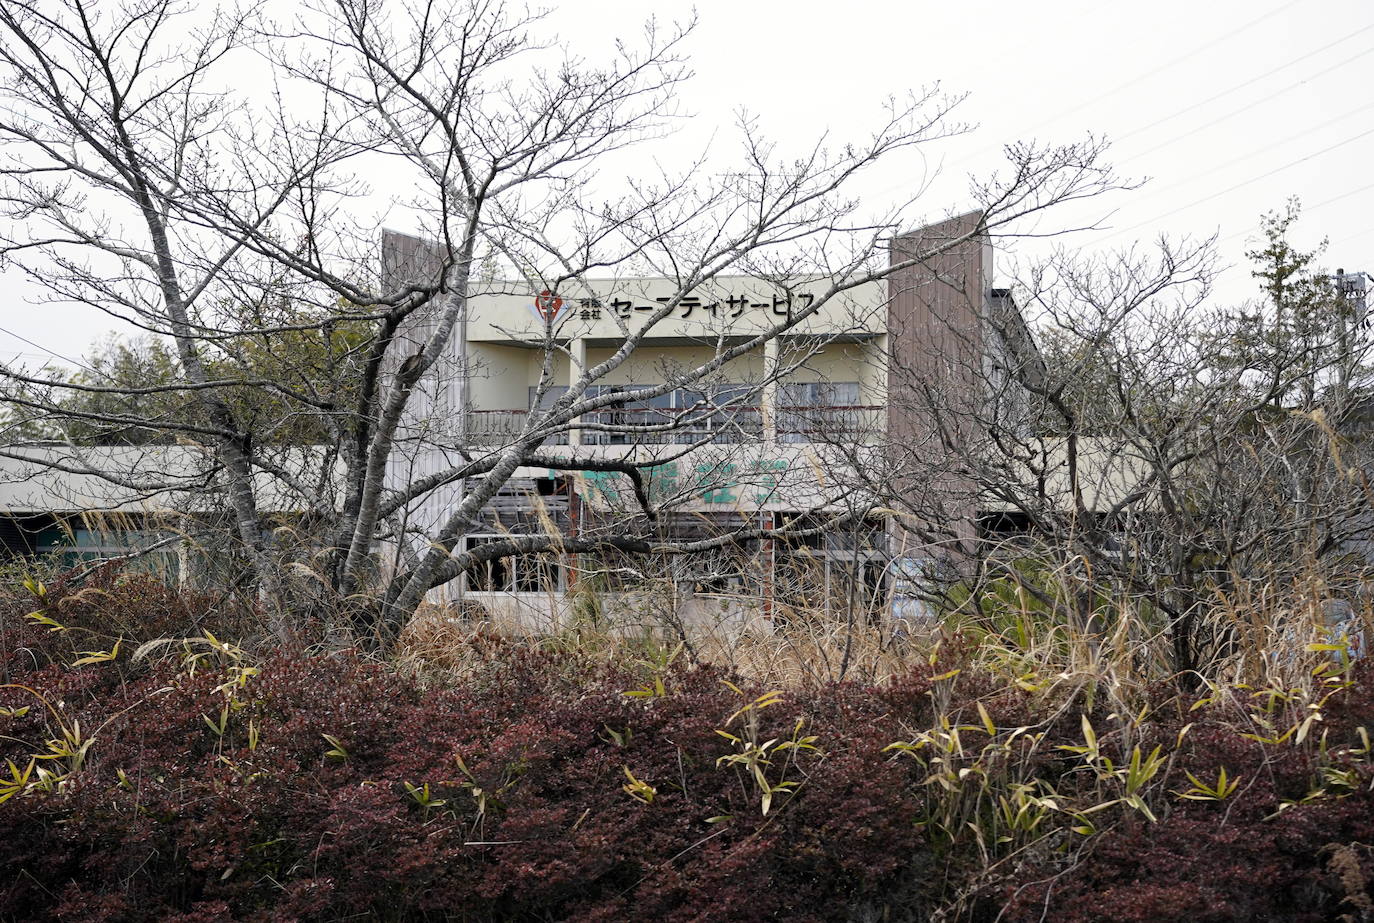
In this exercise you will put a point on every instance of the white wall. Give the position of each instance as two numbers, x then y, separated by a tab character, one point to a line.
499	376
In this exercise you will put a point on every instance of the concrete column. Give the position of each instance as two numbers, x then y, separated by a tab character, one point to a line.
768	400
768	554
184	559
577	352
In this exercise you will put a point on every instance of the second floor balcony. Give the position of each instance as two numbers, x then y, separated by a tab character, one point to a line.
790	423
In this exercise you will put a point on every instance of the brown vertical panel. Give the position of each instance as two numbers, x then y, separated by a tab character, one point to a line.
935	336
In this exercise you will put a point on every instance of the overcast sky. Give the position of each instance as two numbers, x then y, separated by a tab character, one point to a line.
1227	107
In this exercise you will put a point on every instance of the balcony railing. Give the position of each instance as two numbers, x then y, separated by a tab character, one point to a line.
847	423
732	426
499	427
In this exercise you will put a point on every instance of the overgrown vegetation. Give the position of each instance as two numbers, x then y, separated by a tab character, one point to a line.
1011	770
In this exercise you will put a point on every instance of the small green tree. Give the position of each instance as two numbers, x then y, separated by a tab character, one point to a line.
1302	339
133	366
134	391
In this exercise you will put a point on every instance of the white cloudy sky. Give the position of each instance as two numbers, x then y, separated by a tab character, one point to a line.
1228	107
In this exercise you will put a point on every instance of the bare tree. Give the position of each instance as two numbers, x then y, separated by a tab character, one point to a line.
143	181
1134	446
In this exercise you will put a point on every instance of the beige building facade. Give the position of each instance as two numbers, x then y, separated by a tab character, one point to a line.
784	435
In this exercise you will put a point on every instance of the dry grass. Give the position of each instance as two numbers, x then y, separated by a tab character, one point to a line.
1262	636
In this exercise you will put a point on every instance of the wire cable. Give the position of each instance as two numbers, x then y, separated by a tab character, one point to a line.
1233	188
1253	80
1251	105
1156	190
1230	189
1308	209
1168	64
24	339
1163	67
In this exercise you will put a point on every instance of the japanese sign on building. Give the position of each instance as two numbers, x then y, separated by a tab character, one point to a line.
552	308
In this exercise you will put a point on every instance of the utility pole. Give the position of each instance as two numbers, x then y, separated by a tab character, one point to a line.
1351	289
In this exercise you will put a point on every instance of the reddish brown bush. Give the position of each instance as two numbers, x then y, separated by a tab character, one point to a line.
170	819
319	786
1294	842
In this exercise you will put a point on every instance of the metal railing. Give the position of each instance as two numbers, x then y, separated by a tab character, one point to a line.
848	423
736	425
500	427
620	426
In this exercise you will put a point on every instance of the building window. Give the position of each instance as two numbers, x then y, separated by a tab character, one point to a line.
74	547
841	569
691	413
814	411
525	573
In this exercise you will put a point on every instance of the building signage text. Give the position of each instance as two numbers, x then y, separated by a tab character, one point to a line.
550	307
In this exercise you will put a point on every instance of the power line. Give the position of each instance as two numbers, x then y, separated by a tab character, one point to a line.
1154	191
1248	106
1307	209
1358	234
1171	63
45	350
1240	86
1178	60
1230	189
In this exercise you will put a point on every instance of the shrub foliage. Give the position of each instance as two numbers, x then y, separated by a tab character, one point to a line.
188	780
